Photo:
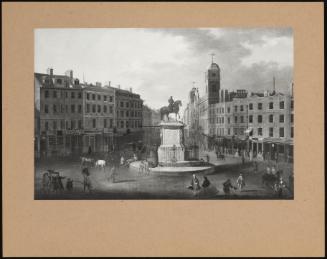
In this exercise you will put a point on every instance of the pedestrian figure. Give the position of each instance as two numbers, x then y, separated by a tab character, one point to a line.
87	183
217	154
141	168
279	174
146	167
268	170
195	184
208	158
46	182
122	160
205	182
85	171
60	185
240	182
69	185
112	175
227	186
273	171
89	151
279	187
255	166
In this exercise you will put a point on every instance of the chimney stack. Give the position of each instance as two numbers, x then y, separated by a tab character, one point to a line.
109	83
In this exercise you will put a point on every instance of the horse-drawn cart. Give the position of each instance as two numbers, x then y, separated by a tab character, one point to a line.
52	181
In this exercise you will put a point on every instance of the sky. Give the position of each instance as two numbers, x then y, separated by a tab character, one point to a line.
159	63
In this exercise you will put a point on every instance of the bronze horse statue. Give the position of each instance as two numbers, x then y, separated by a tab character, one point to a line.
173	107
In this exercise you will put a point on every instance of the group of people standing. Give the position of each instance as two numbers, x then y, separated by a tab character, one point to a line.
227	185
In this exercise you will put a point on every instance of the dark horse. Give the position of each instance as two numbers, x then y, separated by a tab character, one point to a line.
172	108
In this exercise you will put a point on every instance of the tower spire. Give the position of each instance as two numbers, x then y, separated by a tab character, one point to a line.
274	84
212	55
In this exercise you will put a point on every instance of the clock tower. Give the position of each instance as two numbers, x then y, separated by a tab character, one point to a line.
213	83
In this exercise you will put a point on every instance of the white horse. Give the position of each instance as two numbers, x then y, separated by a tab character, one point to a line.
100	163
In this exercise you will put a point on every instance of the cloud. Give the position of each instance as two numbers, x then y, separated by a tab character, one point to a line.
158	63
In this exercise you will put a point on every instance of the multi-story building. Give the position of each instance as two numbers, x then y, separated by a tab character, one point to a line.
61	116
261	122
129	108
80	118
98	117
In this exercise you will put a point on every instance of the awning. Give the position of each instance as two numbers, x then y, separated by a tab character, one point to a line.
278	141
248	131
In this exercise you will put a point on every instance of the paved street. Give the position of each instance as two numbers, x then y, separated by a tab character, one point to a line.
130	184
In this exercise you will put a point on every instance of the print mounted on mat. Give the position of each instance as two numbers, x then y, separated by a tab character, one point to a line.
203	113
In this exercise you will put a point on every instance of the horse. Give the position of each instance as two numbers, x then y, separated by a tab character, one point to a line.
173	108
164	111
176	105
221	156
87	161
100	163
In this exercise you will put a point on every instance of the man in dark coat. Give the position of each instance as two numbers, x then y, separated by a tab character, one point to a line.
227	186
206	182
69	184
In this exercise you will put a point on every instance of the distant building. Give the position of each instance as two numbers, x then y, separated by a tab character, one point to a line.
151	130
239	120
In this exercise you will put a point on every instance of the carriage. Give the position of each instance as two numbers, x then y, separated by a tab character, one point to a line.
52	181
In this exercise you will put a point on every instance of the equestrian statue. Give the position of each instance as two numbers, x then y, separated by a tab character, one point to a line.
173	107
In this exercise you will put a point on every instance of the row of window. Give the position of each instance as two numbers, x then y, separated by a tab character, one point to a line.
63	109
98	108
220	120
99	97
129	114
129	124
62	125
242	108
78	124
78	108
78	95
130	104
62	94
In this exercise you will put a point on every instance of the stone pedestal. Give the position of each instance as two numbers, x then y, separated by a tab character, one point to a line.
172	149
